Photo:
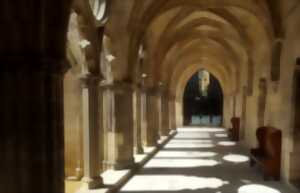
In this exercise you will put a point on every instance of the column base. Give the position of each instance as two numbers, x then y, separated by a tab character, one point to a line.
120	165
151	144
92	183
138	150
165	133
78	175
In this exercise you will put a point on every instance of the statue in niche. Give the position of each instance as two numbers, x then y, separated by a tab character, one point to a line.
204	81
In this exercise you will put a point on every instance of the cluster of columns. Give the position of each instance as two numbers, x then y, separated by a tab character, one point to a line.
119	120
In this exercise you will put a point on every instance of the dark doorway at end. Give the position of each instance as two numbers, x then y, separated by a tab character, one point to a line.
203	100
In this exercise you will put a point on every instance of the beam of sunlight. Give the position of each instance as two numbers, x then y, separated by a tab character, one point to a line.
180	163
227	143
185	154
235	158
257	189
172	183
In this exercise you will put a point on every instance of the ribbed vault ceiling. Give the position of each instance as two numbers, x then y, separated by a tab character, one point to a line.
227	37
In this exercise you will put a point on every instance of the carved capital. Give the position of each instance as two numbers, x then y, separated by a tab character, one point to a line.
89	80
119	87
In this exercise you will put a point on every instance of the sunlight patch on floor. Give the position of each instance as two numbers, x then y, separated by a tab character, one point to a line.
180	163
221	135
256	188
194	136
172	183
189	146
202	129
200	160
235	158
185	154
190	141
227	143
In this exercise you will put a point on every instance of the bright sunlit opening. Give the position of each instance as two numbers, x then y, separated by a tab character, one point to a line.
172	183
257	189
235	158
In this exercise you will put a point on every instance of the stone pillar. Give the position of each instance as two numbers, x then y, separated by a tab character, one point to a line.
165	116
172	113
102	134
120	134
107	123
73	133
159	103
152	114
144	117
138	147
227	110
32	128
91	134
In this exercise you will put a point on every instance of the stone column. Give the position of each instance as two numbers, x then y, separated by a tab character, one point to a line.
120	134
159	101
152	116
91	135
102	134
165	116
172	113
32	131
227	110
107	124
144	117
138	147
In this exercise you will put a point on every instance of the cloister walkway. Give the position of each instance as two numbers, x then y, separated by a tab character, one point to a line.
201	160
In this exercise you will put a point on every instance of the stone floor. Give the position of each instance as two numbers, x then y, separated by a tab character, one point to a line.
201	160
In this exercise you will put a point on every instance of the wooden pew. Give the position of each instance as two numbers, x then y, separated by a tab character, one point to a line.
268	153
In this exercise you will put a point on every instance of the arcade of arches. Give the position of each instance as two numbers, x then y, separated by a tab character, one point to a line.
86	84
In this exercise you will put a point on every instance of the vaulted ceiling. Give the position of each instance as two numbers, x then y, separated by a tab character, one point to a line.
230	38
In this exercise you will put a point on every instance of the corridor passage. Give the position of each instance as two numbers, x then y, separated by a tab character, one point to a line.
201	160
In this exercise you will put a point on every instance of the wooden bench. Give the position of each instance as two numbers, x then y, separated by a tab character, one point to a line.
234	132
268	153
